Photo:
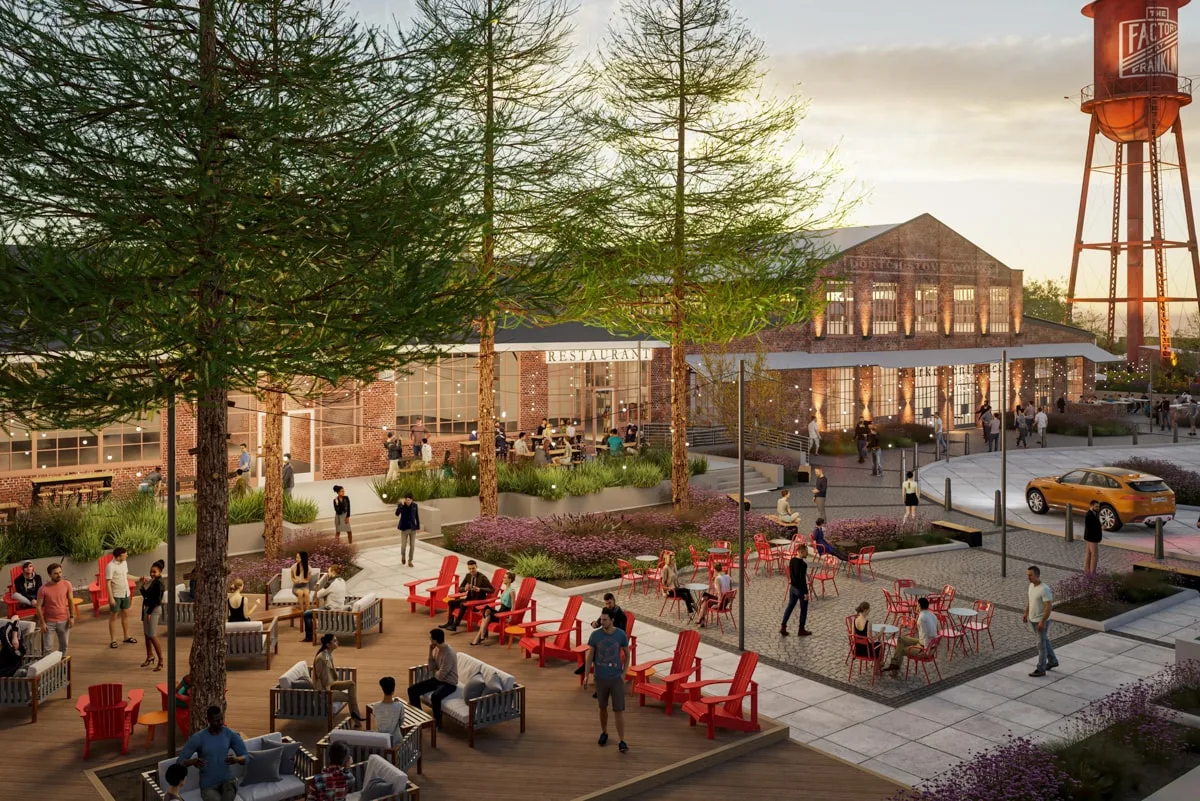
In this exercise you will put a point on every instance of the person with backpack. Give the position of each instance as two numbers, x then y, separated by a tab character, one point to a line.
12	650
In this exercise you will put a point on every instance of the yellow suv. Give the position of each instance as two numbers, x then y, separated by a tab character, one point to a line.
1125	496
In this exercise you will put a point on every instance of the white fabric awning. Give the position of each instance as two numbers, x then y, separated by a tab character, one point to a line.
930	357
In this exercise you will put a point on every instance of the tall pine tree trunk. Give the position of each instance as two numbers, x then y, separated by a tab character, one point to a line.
207	662
488	502
679	370
273	474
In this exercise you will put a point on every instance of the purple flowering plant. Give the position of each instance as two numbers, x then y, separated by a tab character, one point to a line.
322	549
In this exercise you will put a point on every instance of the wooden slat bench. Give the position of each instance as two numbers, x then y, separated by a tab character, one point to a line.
1184	576
804	473
971	536
775	519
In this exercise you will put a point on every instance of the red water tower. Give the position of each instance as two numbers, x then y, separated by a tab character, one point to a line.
1134	101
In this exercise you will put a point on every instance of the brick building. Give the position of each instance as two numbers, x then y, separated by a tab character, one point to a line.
915	320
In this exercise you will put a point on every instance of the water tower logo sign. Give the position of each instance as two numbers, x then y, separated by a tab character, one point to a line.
1150	46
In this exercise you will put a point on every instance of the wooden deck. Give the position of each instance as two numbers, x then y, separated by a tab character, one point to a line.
559	747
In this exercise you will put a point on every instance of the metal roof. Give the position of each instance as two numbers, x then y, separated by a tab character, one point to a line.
842	239
930	357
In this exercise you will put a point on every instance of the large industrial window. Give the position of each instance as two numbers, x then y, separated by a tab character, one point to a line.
507	390
1075	378
964	309
839	309
883	309
839	403
1043	382
341	417
926	309
16	449
999	312
925	395
885	391
134	441
444	394
964	395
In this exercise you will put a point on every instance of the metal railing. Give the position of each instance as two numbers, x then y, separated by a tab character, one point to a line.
1160	84
708	436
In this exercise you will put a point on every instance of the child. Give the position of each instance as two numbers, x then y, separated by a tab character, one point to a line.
176	776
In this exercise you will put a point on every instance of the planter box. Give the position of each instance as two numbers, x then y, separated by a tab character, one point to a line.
438	512
949	546
1125	618
1185	788
1186	650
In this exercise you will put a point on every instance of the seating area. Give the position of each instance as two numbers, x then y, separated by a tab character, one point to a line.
276	771
293	696
36	681
252	639
362	745
364	615
486	696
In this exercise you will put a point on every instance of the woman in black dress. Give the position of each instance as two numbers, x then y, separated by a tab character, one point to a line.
237	604
152	590
870	645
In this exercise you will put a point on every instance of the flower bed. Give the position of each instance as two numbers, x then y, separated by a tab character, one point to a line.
1099	596
552	484
323	551
1120	748
587	546
885	533
1183	482
891	435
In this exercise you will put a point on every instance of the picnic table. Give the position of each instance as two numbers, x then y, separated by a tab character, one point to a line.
76	480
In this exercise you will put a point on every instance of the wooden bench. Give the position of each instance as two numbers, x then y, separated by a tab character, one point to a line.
775	519
971	536
1184	576
804	473
733	497
8	511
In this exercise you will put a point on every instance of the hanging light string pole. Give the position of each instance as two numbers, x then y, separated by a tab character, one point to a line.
741	448
172	579
1004	463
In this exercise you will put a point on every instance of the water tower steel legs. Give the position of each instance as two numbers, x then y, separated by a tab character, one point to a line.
1114	253
1135	334
1083	195
1185	185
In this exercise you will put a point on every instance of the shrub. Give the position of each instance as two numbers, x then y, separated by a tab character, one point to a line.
87	543
698	466
299	510
879	531
645	475
539	565
1019	770
323	551
185	519
137	537
1090	589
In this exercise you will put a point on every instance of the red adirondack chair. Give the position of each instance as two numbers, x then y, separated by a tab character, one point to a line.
523	603
580	651
434	595
107	715
99	588
726	710
14	606
683	664
556	641
475	608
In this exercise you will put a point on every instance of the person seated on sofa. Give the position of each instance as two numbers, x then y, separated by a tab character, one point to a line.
324	676
26	586
444	680
389	713
336	781
476	586
176	776
331	596
208	749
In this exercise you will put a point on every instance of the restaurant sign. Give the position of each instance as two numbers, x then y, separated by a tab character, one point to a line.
598	355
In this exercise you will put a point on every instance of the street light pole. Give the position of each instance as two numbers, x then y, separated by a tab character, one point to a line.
171	578
1004	463
741	408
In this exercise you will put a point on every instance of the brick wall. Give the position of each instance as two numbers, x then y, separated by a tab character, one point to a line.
533	390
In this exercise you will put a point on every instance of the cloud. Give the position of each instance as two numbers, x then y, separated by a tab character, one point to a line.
985	110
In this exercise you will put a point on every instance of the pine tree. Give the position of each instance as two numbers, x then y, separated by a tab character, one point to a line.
198	195
511	82
696	235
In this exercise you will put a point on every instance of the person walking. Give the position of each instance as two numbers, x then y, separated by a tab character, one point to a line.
820	489
1041	420
876	450
1093	534
341	514
243	468
395	451
997	431
444	681
1164	413
209	750
797	591
1037	614
912	496
417	433
55	609
861	430
609	655
784	508
814	436
289	475
152	589
116	577
1022	423
939	431
1192	409
410	523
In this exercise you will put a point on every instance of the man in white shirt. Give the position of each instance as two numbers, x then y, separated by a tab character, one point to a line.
389	713
571	431
331	596
994	430
1040	420
426	452
116	579
927	629
939	432
1037	614
814	436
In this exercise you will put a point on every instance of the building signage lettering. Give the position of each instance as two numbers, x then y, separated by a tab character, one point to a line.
1150	46
598	355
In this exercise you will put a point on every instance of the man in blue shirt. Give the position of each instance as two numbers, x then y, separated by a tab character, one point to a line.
608	651
244	461
209	750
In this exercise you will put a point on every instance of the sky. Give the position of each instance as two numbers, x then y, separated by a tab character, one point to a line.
966	110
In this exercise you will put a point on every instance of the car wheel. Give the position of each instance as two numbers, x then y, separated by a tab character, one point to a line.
1150	524
1109	519
1037	502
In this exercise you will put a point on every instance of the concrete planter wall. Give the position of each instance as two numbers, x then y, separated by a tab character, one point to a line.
1186	650
1125	618
903	552
439	512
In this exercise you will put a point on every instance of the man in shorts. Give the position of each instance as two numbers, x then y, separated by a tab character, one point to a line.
116	576
608	652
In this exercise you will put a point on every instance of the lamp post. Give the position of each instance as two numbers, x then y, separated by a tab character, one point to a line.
1004	463
171	579
741	409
